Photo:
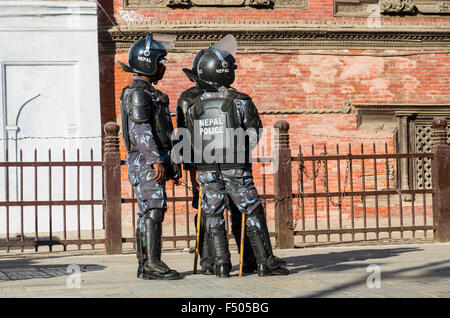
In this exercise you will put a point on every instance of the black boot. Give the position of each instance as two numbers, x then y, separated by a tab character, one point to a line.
154	268
141	256
206	256
207	270
223	270
217	240
268	264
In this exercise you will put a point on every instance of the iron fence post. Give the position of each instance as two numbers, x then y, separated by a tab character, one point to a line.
112	184
441	180
283	187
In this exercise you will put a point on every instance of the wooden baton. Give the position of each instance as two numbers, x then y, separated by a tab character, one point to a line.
199	215
241	263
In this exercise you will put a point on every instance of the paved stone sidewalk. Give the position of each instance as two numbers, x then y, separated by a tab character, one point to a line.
410	270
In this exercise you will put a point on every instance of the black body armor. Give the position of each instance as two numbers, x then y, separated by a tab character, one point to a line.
212	125
138	106
142	109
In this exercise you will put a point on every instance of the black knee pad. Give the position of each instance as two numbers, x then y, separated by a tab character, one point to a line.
214	221
218	243
156	215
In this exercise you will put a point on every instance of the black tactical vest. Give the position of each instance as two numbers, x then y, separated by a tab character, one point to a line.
160	120
213	125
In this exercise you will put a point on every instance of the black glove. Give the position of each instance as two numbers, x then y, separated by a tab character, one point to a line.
178	172
195	194
173	171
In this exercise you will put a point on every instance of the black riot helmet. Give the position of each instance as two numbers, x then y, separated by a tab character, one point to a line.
193	76
217	64
195	61
146	57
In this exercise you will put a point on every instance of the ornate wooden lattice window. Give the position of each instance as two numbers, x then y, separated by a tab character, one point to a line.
422	143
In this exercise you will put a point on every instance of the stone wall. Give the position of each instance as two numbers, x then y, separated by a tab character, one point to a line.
50	101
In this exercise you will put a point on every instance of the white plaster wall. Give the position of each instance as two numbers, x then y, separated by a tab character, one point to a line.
49	78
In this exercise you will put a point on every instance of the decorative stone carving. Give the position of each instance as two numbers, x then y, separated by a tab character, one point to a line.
218	3
142	4
436	7
259	3
396	5
152	4
177	3
284	35
295	4
443	7
407	8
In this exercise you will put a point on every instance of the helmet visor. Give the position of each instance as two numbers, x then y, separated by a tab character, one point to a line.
227	43
166	40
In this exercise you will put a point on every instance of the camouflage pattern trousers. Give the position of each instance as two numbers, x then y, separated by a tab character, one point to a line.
227	184
149	193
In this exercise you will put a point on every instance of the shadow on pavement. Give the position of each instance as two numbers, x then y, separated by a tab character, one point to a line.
335	261
21	269
340	261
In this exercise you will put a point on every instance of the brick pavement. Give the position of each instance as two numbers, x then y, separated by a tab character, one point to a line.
408	270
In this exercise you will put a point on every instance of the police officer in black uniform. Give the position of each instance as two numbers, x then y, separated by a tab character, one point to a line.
206	259
223	160
146	131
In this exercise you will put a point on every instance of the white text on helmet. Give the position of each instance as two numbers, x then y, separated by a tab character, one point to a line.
145	59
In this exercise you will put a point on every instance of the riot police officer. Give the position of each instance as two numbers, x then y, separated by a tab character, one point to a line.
206	259
146	131
223	160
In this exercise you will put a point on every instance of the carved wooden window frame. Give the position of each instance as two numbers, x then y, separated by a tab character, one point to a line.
407	117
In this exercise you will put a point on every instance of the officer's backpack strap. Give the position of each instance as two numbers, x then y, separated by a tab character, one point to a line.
163	98
196	103
140	84
228	102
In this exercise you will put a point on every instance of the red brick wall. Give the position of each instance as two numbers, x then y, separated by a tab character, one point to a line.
302	79
282	81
